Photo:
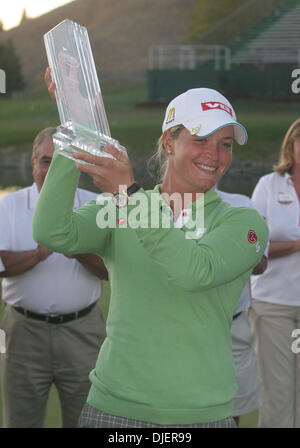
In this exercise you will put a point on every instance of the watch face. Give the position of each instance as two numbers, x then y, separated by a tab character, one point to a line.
120	200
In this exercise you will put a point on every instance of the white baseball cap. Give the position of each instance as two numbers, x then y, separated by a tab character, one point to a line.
203	111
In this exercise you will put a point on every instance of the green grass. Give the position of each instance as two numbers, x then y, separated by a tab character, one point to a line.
138	127
266	123
249	420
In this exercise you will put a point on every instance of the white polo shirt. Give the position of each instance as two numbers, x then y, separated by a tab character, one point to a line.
55	285
277	199
239	200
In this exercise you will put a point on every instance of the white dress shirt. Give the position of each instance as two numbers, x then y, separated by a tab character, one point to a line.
277	199
55	285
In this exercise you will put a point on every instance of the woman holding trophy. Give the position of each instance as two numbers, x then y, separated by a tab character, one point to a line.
178	258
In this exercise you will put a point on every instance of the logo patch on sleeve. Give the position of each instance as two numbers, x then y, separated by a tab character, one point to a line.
252	237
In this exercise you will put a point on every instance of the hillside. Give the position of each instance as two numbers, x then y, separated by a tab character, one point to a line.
120	33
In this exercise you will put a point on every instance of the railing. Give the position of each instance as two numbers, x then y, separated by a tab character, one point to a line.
263	55
188	56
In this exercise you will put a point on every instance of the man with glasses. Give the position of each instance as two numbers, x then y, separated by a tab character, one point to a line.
54	327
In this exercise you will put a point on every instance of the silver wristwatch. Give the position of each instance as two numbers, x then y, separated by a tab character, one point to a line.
121	198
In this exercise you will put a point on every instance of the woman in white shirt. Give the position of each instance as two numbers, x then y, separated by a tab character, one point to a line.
275	311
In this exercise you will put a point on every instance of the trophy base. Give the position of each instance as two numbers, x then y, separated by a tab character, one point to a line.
67	143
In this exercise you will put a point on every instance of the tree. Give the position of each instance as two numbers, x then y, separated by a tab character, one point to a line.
206	15
10	63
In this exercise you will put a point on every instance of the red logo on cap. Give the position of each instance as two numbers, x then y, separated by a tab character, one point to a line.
252	237
210	105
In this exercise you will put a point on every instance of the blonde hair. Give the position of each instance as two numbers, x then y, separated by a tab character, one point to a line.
47	132
286	156
160	154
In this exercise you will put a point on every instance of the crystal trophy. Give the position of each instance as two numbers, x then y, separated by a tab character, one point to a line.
84	126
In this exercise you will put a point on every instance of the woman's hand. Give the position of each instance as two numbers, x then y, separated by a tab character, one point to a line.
49	83
42	252
107	174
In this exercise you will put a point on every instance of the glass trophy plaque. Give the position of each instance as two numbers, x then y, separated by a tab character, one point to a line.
84	126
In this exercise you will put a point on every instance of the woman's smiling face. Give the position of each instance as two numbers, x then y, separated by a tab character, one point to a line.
196	163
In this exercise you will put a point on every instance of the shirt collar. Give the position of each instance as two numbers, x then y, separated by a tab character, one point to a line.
288	178
209	196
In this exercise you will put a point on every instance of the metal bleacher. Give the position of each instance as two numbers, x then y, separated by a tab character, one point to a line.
251	52
278	44
275	39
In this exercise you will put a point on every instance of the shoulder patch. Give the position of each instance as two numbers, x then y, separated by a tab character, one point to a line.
252	237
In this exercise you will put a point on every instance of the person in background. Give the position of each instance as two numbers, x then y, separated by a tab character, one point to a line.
53	324
275	308
175	277
248	398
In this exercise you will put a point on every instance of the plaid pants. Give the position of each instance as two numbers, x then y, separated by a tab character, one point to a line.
94	418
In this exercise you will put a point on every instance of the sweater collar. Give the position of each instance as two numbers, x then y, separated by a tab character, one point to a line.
209	196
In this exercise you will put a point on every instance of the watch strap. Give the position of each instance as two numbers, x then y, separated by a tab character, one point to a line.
133	189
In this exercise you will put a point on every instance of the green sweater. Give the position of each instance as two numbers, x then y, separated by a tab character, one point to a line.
167	355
